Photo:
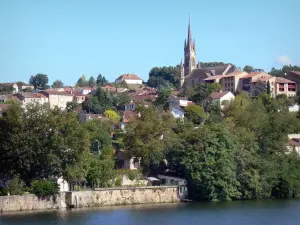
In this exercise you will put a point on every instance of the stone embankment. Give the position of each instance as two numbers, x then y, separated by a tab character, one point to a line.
96	198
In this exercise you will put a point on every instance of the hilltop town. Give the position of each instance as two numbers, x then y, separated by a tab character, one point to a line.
222	131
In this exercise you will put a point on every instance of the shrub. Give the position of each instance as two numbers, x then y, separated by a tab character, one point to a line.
43	188
133	175
118	182
15	186
3	191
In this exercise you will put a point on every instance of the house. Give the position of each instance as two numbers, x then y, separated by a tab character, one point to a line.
294	108
221	97
293	144
176	106
14	87
3	108
85	117
246	80
129	79
178	181
24	86
294	76
229	82
27	97
58	98
78	97
284	86
278	85
198	75
85	90
123	162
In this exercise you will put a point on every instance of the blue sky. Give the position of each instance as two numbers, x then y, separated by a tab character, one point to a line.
65	39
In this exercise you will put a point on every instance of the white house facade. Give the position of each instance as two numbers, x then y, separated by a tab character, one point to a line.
129	79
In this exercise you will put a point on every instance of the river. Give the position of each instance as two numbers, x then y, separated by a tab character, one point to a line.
263	212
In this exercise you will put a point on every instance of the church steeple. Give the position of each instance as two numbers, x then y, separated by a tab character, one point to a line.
189	52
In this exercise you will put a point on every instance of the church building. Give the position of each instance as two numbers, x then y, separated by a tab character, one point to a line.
191	72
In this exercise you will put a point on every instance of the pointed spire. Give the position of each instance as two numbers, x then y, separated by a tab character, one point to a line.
189	32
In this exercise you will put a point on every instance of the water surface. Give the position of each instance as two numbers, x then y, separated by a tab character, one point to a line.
266	212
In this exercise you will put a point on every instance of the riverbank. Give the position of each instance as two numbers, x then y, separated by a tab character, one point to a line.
96	198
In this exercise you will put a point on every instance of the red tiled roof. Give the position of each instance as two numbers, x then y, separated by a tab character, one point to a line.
33	95
76	93
296	72
218	95
56	92
128	77
214	77
283	80
262	79
233	74
293	143
251	75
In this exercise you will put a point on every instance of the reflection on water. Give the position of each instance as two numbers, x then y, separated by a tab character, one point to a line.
275	212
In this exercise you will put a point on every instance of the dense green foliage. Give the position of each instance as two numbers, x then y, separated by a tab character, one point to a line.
39	81
43	188
57	84
6	89
281	72
164	76
102	100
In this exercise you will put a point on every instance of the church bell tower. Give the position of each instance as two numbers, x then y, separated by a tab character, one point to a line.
189	52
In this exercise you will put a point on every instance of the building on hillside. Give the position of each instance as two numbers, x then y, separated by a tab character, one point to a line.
124	162
221	98
78	97
22	87
84	117
167	180
3	108
58	98
129	79
294	76
278	85
27	98
176	106
14	86
85	90
246	80
293	144
229	82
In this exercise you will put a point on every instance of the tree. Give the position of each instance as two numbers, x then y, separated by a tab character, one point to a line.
92	82
71	106
201	94
259	88
101	172
268	88
162	99
112	115
206	156
155	82
120	100
195	113
101	81
170	74
82	81
57	84
38	142
146	137
39	81
6	89
99	102
248	69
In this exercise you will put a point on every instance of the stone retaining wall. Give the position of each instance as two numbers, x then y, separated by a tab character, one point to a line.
96	198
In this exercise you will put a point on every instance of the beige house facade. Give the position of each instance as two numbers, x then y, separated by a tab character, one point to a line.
58	98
